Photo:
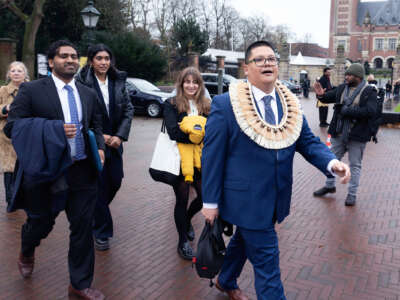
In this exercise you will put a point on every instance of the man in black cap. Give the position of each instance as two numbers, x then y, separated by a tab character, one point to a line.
350	128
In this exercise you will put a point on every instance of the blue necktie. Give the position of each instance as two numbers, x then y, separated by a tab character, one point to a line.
269	115
73	109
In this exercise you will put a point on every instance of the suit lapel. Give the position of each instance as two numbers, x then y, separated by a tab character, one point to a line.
279	105
52	94
83	95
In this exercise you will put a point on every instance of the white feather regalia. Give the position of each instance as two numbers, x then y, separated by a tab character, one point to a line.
254	126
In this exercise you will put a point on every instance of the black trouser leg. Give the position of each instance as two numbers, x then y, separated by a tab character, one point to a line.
40	221
34	230
323	114
8	176
80	209
181	190
82	197
109	184
197	203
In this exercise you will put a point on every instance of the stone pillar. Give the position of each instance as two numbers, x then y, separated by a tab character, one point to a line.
396	64
340	63
7	55
193	60
241	74
284	62
220	62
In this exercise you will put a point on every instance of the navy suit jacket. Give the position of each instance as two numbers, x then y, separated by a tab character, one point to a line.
251	185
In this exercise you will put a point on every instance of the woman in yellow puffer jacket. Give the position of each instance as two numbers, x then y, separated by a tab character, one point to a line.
185	116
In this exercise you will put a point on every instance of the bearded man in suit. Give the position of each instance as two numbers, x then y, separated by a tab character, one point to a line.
72	107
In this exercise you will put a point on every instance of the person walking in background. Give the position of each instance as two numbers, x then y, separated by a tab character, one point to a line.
16	74
248	168
355	106
109	83
388	89
306	86
56	112
396	90
189	101
326	84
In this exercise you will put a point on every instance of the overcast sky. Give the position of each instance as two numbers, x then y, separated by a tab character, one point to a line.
302	16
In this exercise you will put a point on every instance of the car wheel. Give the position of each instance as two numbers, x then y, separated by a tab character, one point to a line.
153	110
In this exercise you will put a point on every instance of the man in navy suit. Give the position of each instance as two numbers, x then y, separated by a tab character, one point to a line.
252	134
59	97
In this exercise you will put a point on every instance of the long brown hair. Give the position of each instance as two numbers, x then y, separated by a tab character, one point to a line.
181	102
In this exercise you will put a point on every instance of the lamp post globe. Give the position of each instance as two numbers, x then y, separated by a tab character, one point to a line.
90	15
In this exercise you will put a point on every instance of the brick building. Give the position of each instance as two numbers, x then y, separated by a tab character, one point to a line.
369	31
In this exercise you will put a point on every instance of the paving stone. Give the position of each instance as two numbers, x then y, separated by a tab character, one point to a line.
327	251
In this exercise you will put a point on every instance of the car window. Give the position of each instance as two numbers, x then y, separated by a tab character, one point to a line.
143	85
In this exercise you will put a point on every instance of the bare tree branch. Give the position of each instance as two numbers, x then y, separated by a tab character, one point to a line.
10	4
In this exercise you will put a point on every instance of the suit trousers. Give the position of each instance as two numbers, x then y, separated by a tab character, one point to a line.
79	200
323	114
8	185
109	184
261	248
356	152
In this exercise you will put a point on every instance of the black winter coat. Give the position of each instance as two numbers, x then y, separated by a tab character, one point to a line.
121	114
362	115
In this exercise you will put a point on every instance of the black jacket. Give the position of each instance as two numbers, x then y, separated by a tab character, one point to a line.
171	118
39	99
325	82
118	121
361	114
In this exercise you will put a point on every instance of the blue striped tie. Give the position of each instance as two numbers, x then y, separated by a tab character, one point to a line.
73	109
269	115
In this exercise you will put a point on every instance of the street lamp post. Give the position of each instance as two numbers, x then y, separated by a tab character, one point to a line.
90	16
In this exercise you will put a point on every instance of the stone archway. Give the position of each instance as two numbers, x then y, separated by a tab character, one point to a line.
378	63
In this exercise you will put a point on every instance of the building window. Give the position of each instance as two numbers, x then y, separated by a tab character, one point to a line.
342	43
378	44
392	44
359	45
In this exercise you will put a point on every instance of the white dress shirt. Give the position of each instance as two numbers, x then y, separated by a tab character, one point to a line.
63	95
104	91
258	95
193	109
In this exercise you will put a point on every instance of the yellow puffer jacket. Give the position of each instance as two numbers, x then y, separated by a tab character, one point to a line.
191	153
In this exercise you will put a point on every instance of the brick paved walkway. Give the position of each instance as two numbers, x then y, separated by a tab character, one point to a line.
328	251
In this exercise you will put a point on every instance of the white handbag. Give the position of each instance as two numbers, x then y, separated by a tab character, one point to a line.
166	162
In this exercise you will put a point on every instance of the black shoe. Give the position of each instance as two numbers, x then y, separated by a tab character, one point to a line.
190	233
323	191
185	251
101	244
350	200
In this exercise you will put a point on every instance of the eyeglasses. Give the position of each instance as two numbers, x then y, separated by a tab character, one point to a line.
262	61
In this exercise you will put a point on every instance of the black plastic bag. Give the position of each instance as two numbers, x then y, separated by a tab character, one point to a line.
210	250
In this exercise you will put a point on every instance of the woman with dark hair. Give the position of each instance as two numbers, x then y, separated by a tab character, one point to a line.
189	101
109	83
16	74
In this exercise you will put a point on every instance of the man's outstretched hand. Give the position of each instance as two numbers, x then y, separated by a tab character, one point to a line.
342	170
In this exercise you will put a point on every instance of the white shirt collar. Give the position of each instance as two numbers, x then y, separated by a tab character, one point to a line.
100	82
259	94
60	84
